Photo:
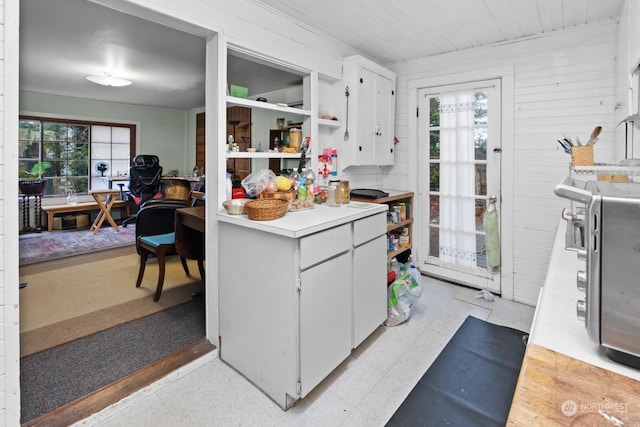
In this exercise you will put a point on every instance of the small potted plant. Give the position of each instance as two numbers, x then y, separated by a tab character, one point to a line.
31	181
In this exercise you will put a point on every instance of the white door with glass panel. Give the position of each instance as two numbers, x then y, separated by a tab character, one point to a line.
459	168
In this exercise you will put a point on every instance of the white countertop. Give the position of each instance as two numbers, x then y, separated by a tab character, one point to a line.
308	221
555	324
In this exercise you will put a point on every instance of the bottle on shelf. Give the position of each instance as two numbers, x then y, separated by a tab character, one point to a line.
403	240
302	190
296	178
334	164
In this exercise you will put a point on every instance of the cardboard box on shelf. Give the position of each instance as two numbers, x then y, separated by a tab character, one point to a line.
71	222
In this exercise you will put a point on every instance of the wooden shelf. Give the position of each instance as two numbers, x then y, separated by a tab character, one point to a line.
405	223
394	197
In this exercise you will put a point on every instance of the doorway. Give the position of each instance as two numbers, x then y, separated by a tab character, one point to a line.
459	146
108	275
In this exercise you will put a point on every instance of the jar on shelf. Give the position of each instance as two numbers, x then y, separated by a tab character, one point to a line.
345	192
334	193
402	211
403	240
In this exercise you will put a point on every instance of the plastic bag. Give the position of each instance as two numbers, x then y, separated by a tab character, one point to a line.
415	288
256	182
398	303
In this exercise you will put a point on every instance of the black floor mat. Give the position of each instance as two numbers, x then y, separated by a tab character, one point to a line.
471	382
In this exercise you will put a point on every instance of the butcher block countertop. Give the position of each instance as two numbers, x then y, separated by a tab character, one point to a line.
565	378
556	390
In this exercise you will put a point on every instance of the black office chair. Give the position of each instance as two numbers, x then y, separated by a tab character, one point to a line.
144	182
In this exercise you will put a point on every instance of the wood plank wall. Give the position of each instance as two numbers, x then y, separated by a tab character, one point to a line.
564	82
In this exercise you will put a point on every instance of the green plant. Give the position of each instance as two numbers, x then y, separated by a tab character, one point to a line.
36	172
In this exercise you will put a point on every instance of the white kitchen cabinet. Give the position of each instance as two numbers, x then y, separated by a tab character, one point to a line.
369	114
297	294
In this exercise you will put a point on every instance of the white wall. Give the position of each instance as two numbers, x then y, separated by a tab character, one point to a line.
161	131
564	82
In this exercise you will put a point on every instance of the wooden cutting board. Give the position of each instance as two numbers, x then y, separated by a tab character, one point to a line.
557	390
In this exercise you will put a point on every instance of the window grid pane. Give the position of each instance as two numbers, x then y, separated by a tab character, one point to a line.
71	155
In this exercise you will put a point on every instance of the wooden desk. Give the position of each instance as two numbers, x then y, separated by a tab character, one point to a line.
191	217
105	200
189	234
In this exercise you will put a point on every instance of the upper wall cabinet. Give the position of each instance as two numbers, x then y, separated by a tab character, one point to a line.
369	114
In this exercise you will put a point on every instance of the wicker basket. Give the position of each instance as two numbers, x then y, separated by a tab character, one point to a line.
266	209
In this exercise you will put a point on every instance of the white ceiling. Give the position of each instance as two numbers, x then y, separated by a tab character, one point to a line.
63	41
408	29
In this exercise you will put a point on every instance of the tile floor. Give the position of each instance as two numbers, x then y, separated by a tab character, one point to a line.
365	390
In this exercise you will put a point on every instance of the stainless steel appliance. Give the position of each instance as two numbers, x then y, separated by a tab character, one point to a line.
611	281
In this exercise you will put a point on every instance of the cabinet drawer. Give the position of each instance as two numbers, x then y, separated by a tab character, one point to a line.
369	228
324	245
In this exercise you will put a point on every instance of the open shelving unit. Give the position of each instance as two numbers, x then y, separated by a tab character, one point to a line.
392	199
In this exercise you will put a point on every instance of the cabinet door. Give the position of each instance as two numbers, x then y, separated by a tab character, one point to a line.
369	288
325	319
384	110
366	110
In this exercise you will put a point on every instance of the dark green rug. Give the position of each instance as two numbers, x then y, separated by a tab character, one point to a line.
55	377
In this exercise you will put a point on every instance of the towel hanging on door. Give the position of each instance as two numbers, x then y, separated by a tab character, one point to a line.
492	238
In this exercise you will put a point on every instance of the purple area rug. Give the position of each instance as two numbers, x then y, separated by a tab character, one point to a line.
35	247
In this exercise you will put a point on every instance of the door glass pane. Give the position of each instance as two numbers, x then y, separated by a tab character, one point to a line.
434	177
481	250
480	135
434	209
481	179
434	242
434	112
480	108
434	144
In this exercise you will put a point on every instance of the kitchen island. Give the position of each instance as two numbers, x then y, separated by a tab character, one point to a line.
565	377
297	294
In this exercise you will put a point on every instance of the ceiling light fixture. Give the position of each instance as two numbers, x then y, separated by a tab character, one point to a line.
108	80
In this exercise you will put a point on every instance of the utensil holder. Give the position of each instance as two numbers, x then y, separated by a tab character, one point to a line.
582	156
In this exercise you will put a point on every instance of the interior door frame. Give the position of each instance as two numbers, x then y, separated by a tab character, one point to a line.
506	75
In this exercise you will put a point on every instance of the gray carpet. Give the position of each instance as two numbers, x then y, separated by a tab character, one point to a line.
60	375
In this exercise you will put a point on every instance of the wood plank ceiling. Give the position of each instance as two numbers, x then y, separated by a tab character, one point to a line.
401	30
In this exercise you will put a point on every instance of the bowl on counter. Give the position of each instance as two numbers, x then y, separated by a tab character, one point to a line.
235	206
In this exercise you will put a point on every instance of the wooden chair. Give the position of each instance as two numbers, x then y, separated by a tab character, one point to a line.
155	235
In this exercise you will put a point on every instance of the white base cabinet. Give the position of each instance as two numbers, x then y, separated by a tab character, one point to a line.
293	308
